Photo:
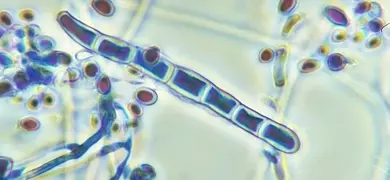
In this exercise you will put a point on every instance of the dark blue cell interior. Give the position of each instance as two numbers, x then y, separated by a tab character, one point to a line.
14	174
72	26
5	60
188	83
51	59
54	58
143	172
336	62
2	32
247	120
375	25
159	69
110	49
361	7
39	75
44	43
33	56
20	47
20	80
107	112
20	33
31	32
218	100
271	158
279	136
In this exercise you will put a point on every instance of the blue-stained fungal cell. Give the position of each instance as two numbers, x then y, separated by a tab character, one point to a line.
279	136
20	47
160	69
20	80
143	172
76	29
336	61
24	61
34	57
5	60
271	158
188	82
32	30
51	59
110	49
43	43
362	7
248	120
215	98
2	31
376	24
6	165
14	174
39	75
20	33
336	16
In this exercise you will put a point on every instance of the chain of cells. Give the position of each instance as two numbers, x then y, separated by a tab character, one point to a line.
30	60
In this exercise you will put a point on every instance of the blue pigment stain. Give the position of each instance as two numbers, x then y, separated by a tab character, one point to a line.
143	172
336	16
20	33
247	120
32	30
159	69
33	56
21	47
44	43
216	99
20	80
51	59
2	32
110	49
39	75
24	61
15	174
279	136
336	62
375	25
5	60
362	7
189	83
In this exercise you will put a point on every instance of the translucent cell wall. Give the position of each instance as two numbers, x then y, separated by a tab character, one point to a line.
194	89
